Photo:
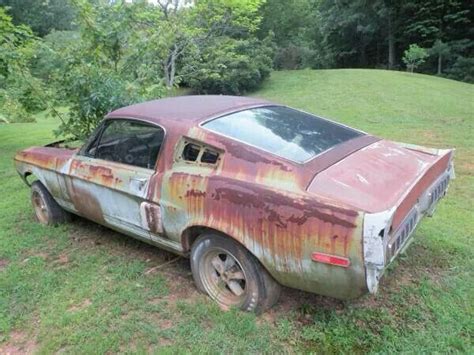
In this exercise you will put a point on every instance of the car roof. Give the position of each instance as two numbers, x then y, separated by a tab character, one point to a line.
189	110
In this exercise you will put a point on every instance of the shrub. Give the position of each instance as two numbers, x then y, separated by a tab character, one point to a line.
462	69
229	66
293	57
12	111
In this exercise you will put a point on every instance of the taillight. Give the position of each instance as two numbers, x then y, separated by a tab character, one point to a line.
330	259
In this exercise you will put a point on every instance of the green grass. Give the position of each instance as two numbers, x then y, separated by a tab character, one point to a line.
83	288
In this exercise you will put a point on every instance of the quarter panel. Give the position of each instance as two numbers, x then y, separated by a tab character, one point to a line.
281	229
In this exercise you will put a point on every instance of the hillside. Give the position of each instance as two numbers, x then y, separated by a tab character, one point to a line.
83	288
414	108
373	99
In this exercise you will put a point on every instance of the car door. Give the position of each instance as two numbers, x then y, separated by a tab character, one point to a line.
109	178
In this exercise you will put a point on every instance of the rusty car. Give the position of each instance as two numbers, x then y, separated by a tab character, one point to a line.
256	194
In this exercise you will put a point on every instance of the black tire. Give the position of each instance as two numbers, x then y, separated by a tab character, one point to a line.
47	210
211	252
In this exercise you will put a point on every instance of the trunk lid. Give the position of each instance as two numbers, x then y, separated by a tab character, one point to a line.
381	176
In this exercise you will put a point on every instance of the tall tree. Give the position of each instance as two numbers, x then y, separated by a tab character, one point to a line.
441	50
42	16
292	24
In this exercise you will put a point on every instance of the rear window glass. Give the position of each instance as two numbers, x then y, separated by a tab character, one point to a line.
288	133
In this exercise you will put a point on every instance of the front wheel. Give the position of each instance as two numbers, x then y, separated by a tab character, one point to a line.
230	275
47	210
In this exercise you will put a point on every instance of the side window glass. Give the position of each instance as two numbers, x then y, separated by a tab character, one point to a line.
209	157
130	142
191	152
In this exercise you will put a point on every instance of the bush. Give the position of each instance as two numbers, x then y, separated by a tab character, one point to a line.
93	92
293	57
229	66
12	111
462	69
21	94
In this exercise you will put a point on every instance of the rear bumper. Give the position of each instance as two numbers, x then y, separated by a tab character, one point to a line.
382	244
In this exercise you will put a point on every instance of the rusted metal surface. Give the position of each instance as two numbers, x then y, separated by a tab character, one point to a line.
187	110
282	212
379	176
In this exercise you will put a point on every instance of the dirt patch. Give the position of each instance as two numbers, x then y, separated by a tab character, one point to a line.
175	271
180	290
19	343
62	260
166	324
467	167
182	285
429	135
429	138
156	268
89	235
3	264
301	304
421	264
80	306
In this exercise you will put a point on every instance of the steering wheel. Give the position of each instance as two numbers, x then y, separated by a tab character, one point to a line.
123	150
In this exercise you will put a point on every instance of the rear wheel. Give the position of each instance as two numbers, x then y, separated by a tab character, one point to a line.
47	210
230	275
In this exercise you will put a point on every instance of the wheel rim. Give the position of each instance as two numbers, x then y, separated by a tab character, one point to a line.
223	278
39	205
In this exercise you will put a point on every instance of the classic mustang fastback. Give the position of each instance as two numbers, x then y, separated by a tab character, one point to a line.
257	194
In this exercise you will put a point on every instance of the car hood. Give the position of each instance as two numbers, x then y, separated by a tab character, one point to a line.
377	177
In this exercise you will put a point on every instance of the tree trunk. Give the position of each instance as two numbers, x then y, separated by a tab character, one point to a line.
440	61
173	68
391	44
169	68
167	73
377	55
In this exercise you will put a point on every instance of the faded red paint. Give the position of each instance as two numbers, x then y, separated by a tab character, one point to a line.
377	177
49	158
429	176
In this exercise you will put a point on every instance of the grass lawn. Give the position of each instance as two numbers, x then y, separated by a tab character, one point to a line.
83	288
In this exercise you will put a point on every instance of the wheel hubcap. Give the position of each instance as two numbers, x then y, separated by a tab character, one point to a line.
39	205
223	278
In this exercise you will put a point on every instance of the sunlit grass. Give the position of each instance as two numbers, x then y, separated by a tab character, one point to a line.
82	288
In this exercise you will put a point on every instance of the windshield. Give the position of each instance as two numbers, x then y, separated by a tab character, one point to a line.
288	133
